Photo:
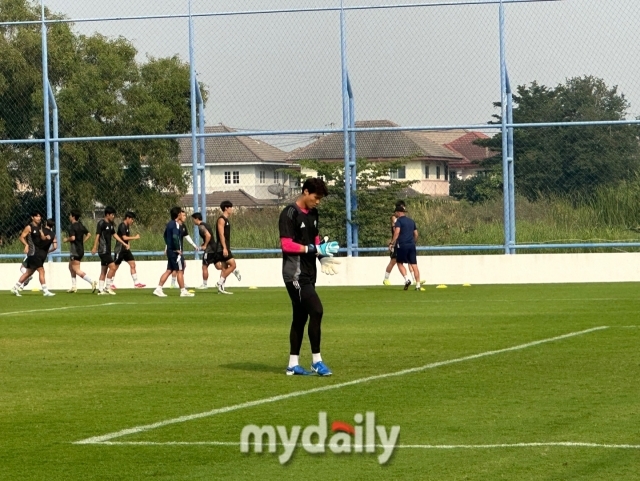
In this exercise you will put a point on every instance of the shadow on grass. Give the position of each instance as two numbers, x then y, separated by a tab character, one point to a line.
253	366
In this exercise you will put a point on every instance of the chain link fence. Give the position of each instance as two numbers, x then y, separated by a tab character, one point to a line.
272	91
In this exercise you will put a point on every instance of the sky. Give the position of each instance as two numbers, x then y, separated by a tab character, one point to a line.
418	66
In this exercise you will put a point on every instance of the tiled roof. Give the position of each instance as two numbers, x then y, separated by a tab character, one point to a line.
232	149
376	145
239	198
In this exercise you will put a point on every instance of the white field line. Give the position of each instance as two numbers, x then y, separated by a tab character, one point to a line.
65	308
282	397
400	446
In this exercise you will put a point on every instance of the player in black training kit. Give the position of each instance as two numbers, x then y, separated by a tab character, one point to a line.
184	234
124	231
105	230
208	246
78	235
222	257
300	248
38	242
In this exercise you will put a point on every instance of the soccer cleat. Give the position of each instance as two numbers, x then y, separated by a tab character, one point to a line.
94	286
237	274
202	287
406	285
418	289
110	291
113	286
15	292
103	292
139	285
48	294
221	290
321	369
158	292
73	290
297	371
187	294
386	282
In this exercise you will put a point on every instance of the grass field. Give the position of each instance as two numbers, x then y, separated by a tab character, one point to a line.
75	367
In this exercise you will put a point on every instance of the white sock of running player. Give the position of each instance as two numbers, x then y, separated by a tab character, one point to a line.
109	282
417	285
386	275
174	282
184	289
294	360
44	288
413	277
135	278
88	279
100	285
18	285
73	282
204	283
316	358
221	282
406	279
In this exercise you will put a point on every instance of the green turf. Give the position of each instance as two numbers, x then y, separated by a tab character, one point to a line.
67	375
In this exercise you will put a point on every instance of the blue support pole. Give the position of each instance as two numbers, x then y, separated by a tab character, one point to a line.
47	132
56	171
503	114
202	157
194	124
345	129
352	167
510	162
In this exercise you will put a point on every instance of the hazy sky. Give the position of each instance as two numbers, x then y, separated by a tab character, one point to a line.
414	66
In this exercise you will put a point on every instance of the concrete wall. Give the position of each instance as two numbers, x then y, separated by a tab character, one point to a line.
363	271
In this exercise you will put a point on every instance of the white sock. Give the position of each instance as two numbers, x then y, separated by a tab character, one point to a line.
135	278
316	358
221	282
18	285
159	288
412	276
73	282
44	288
204	283
294	360
88	279
417	285
386	275
100	285
184	289
173	282
406	279
109	282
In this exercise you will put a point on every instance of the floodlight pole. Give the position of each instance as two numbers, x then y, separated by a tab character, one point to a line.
45	93
202	157
345	129
194	126
56	170
353	174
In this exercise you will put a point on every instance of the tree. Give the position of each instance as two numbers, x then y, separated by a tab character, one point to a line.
569	160
101	90
376	195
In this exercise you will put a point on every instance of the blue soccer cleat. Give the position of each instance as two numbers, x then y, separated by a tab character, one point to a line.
321	369
297	371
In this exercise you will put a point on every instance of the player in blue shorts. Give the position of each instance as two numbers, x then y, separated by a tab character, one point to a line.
175	261
404	240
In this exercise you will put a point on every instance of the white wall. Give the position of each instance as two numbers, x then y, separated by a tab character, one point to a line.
363	271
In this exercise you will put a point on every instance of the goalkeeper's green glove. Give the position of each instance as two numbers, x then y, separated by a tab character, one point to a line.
326	249
328	265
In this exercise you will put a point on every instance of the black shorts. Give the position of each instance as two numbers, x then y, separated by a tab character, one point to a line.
208	259
394	252
175	262
218	257
34	262
105	259
407	255
124	255
76	258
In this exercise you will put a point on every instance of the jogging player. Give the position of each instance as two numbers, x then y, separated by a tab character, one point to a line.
173	241
393	251
184	234
223	258
122	254
38	241
105	230
207	247
301	247
78	235
405	236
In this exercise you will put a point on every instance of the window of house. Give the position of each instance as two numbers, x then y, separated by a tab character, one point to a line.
236	176
263	176
227	177
276	177
399	173
437	171
426	171
446	172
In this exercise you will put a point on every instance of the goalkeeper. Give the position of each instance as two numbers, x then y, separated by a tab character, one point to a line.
301	247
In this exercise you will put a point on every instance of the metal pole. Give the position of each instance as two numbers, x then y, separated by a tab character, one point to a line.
194	125
47	133
202	156
503	114
510	161
56	171
353	174
345	127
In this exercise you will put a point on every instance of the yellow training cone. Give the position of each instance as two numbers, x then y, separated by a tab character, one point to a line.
441	286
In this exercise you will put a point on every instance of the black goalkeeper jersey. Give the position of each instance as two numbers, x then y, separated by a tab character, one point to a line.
303	229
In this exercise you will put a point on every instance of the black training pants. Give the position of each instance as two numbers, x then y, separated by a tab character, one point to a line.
306	305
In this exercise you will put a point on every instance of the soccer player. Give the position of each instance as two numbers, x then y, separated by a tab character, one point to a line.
124	231
405	236
392	249
78	235
301	247
208	246
173	241
105	230
223	258
38	241
184	234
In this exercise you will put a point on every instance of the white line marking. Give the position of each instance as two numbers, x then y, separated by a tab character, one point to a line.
68	307
282	397
401	446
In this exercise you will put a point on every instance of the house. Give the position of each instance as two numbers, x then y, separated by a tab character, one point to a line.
462	142
428	163
238	167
